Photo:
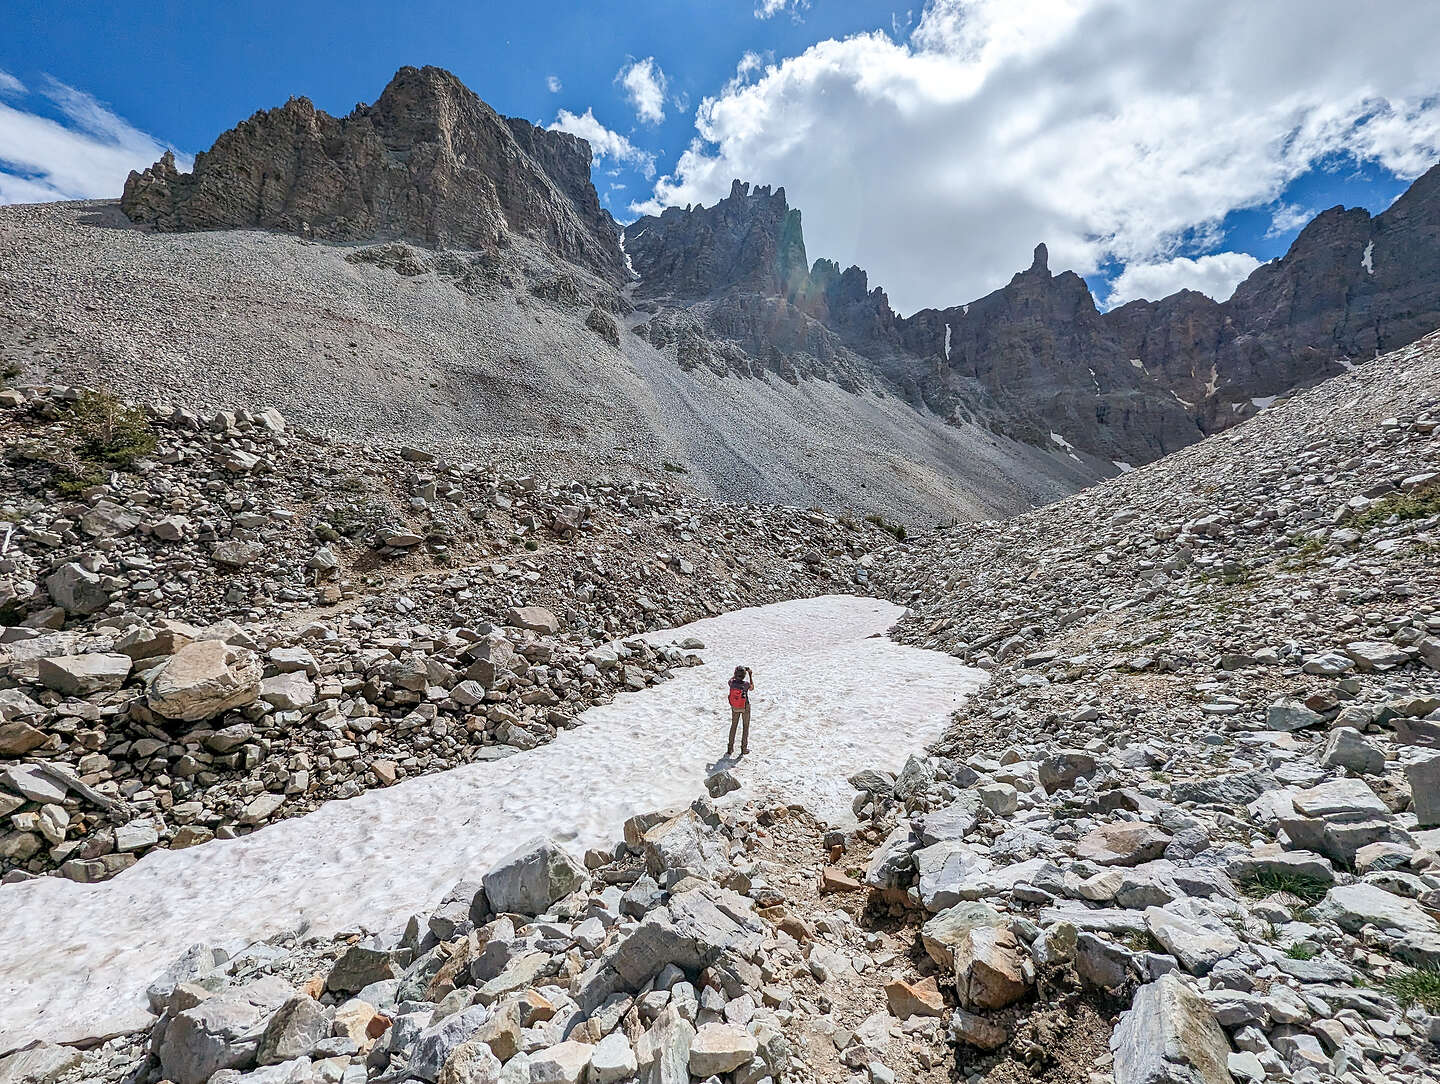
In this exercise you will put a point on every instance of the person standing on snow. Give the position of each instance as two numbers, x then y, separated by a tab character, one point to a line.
741	683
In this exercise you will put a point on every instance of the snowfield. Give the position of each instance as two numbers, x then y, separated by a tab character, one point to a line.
833	695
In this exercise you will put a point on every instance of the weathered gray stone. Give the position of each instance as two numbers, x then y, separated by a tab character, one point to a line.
532	877
944	870
612	1060
39	1064
988	972
535	618
1346	748
358	967
720	1048
1337	796
76	589
1122	843
1169	1036
1353	906
297	1028
1291	715
436	1043
84	675
219	1032
1060	770
1197	947
941	934
1422	772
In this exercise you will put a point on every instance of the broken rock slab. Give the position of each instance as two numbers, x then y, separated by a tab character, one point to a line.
1170	1036
203	679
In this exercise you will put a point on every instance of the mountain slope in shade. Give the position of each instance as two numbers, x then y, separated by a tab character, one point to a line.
1129	385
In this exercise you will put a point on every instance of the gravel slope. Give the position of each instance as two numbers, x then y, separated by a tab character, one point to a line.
248	317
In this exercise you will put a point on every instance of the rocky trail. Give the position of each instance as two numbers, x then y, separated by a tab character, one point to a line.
1186	832
842	701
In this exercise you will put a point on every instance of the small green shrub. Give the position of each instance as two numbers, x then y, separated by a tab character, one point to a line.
106	429
1300	951
674	468
896	529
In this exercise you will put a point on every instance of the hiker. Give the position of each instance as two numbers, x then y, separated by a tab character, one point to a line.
741	682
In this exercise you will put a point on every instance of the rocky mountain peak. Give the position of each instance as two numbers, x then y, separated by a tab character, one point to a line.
751	240
1041	263
429	161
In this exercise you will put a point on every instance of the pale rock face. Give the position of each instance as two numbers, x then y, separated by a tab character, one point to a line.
1170	1033
203	679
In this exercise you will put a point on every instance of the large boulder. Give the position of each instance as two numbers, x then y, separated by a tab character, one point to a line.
1122	843
535	618
84	675
947	930
220	1032
1061	770
988	971
532	877
720	1048
1170	1036
1422	771
76	589
203	679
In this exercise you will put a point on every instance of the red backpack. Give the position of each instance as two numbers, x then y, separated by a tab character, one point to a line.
738	699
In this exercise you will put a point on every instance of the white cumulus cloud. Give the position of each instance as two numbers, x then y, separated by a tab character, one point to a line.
84	153
1215	275
1113	130
604	143
645	85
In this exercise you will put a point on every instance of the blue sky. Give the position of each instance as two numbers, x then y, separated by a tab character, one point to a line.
1151	149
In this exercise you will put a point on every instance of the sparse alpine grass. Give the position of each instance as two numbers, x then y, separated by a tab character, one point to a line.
1267	882
1402	506
1418	987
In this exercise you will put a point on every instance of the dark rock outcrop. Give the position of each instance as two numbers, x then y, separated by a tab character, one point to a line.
1152	376
750	241
429	161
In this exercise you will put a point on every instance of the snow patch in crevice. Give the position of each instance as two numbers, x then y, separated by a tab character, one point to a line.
947	342
1058	439
628	265
1260	402
1138	364
1367	261
1122	466
832	695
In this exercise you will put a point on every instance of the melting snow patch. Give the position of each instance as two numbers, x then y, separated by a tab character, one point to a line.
1122	466
1367	261
832	696
947	342
1137	363
1346	364
1058	439
1260	402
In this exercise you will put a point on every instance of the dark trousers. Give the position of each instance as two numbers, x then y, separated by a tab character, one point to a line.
736	714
